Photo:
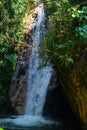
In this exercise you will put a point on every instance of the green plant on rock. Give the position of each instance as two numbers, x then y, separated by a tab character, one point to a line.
62	43
81	30
11	38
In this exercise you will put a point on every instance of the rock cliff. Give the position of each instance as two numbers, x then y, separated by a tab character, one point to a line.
18	86
74	83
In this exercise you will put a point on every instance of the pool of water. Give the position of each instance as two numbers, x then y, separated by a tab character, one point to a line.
34	123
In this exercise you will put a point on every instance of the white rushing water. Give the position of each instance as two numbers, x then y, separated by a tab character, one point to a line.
38	79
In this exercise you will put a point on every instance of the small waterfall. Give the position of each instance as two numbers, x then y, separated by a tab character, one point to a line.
38	79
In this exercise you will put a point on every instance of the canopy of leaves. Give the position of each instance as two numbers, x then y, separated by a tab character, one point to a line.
12	13
67	35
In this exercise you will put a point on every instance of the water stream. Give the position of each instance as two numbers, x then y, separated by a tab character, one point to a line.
38	80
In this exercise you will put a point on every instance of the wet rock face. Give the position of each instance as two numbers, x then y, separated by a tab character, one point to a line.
18	85
74	84
19	80
6	108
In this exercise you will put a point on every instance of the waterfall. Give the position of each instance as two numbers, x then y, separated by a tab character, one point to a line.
38	79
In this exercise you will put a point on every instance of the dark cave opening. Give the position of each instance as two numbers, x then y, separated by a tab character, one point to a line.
57	107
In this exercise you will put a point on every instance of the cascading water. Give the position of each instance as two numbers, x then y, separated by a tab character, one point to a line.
38	79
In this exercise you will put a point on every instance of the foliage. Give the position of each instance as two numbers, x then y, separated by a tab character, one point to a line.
1	129
50	6
81	30
11	37
67	35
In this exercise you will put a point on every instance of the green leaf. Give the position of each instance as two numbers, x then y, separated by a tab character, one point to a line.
70	60
61	46
2	129
11	57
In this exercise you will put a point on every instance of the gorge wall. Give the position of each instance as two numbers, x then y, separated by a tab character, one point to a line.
74	83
